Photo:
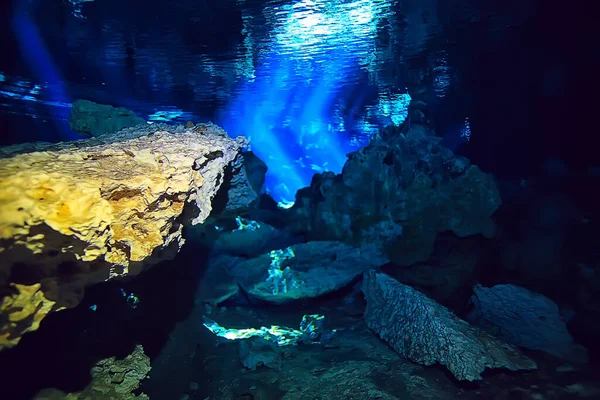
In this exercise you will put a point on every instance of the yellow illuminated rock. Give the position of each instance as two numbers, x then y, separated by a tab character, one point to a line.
77	213
112	378
26	306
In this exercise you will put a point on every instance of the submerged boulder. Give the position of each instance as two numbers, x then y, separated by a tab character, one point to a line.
398	193
302	271
92	119
231	247
427	333
78	213
525	318
112	378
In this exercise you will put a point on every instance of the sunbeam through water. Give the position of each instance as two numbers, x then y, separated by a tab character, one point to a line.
298	105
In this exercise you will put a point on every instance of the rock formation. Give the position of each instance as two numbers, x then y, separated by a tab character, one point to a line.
525	318
111	379
225	230
427	333
91	119
398	193
78	213
301	271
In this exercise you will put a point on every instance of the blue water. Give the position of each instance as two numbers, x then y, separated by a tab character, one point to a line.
306	81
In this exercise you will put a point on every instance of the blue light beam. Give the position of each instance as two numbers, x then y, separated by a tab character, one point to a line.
288	108
286	121
41	63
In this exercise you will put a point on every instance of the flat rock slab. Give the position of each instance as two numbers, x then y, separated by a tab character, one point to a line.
315	269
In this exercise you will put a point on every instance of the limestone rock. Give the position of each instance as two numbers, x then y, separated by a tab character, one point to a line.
426	332
92	119
78	213
303	271
24	305
119	378
229	248
399	193
111	379
525	318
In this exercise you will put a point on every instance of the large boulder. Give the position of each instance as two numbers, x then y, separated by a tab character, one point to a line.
427	333
112	378
78	213
525	318
226	231
92	119
398	193
302	271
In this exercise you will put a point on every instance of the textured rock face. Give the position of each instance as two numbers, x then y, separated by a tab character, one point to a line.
82	212
301	271
426	332
91	119
111	379
524	318
307	270
398	193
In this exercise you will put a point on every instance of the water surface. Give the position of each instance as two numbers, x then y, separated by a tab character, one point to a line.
307	81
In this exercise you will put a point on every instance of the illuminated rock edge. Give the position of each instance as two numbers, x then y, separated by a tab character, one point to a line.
78	213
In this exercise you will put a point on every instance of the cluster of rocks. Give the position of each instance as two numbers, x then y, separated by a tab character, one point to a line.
397	194
106	207
427	333
389	206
